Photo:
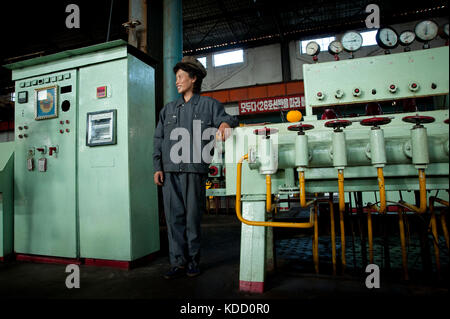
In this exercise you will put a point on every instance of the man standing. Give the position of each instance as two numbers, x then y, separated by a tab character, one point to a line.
183	176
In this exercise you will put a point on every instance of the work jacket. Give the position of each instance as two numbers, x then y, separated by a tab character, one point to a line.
184	131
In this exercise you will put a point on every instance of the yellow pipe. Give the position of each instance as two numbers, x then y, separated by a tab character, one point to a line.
423	195
435	235
370	235
444	229
441	201
301	180
403	243
268	193
310	224
333	236
341	214
443	222
382	189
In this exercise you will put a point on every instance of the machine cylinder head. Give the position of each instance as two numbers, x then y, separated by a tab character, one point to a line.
301	150
268	156
339	149
419	145
377	147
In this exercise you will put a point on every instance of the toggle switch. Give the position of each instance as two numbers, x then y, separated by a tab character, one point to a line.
42	149
52	149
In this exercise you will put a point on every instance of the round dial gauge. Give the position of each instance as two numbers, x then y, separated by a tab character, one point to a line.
312	48
387	38
352	41
407	37
335	47
426	30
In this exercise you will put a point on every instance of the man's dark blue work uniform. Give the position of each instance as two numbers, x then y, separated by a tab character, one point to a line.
184	182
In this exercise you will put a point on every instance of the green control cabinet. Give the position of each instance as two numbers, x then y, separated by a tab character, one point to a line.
84	122
6	199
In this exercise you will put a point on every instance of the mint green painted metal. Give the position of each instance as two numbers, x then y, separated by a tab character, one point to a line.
339	150
66	60
419	146
6	198
377	147
301	150
45	204
359	164
253	243
94	202
117	199
377	73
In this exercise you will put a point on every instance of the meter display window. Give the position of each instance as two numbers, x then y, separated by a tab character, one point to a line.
101	128
46	103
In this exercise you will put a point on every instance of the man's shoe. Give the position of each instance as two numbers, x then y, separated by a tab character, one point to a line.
193	270
175	272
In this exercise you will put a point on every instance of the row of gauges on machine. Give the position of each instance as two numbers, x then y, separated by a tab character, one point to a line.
386	37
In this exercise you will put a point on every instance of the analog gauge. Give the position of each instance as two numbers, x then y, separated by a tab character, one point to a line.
351	41
426	30
312	48
407	37
387	38
335	47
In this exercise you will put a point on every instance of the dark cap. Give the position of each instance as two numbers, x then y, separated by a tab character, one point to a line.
191	63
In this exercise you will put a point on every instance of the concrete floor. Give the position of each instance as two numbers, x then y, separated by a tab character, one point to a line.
219	280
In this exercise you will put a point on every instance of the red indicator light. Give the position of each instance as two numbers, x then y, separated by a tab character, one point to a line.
101	92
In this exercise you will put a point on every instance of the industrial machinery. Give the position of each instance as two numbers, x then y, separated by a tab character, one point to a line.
385	157
6	199
84	120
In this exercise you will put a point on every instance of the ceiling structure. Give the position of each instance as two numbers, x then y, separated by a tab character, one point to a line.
218	24
38	28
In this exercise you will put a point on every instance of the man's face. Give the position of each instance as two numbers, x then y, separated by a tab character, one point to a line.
183	82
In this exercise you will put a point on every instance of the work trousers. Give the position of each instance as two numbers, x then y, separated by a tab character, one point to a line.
184	205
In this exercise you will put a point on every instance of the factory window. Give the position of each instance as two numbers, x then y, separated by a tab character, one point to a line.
230	57
202	60
369	38
323	43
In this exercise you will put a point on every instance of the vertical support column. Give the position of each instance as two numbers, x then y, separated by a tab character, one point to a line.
137	36
252	270
172	45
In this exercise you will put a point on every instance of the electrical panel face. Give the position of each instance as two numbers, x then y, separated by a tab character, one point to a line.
377	78
45	174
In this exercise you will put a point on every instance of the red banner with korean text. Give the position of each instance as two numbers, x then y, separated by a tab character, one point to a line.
272	104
